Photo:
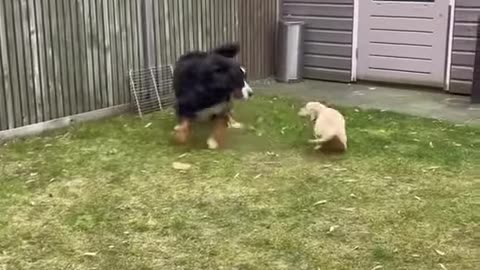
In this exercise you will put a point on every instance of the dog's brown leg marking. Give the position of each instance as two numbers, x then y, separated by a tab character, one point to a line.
220	129
182	131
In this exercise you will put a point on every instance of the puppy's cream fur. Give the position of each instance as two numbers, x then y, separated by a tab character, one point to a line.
329	129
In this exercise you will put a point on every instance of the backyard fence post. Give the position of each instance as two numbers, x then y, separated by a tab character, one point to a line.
148	32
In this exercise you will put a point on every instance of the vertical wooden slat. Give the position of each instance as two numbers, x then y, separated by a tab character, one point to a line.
156	32
71	68
190	18
75	22
89	84
80	56
27	83
118	59
13	62
37	66
95	39
194	26
63	61
29	44
176	29
107	52
138	7
101	54
134	30
42	69
6	102
56	59
48	59
128	34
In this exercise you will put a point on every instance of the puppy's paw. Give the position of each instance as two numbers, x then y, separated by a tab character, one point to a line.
235	125
212	144
318	147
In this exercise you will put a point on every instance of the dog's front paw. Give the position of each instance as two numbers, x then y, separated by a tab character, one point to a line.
235	125
212	144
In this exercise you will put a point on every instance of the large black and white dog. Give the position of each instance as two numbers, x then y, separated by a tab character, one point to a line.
205	85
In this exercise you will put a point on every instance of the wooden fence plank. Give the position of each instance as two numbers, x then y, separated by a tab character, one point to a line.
6	102
124	54
12	57
49	61
37	48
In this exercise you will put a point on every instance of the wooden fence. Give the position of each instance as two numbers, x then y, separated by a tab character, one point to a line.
64	57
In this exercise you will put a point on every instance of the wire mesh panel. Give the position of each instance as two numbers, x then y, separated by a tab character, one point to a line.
152	89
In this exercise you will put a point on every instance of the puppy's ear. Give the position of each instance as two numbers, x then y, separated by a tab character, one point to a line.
229	50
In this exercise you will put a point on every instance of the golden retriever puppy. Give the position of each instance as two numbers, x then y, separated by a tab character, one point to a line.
329	129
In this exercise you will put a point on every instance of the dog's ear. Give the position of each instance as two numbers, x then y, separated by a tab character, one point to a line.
229	50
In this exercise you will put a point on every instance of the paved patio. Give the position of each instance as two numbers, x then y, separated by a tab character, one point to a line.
418	101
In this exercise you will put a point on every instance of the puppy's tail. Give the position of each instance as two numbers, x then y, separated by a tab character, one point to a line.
229	50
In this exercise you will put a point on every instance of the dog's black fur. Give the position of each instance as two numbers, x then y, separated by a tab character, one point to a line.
205	79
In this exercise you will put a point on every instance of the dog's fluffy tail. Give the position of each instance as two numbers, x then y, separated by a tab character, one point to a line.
229	50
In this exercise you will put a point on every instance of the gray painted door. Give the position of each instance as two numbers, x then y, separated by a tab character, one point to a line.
403	41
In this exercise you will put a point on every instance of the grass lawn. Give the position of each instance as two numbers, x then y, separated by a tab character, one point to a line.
104	195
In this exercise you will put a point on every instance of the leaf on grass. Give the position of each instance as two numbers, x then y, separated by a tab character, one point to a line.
183	155
377	267
439	252
332	228
353	196
148	125
257	176
236	175
348	209
431	144
457	144
350	181
340	169
181	166
418	198
90	254
320	202
30	181
442	266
